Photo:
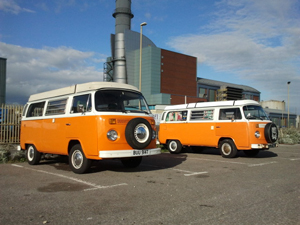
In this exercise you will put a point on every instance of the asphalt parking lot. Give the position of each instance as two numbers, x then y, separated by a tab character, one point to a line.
188	188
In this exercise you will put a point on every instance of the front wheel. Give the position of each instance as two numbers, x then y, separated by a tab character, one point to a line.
131	162
228	149
174	146
33	156
77	160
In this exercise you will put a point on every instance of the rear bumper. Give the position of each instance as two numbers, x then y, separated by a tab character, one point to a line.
129	153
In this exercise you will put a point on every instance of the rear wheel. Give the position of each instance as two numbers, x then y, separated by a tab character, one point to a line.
77	160
33	156
174	146
131	162
251	153
228	148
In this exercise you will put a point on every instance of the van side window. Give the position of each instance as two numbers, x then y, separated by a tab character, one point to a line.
81	103
202	114
35	109
176	116
56	107
231	113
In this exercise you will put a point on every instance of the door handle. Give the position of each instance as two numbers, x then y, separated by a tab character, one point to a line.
68	124
218	127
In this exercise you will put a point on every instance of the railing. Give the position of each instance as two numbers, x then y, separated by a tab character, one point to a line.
10	123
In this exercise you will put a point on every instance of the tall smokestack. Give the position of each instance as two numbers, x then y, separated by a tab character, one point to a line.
123	17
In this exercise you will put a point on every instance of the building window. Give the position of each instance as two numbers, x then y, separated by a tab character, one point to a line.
212	95
202	93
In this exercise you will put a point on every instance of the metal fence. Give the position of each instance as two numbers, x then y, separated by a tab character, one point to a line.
10	121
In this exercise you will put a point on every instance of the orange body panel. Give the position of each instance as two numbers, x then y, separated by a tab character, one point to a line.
210	133
53	135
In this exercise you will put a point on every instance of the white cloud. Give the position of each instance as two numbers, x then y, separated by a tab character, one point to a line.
12	7
257	41
31	70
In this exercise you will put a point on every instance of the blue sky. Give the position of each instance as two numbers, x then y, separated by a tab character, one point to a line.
52	44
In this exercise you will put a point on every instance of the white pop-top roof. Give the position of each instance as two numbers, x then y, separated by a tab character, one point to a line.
80	88
212	104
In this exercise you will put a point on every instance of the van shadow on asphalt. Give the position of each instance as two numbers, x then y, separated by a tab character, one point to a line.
149	163
215	151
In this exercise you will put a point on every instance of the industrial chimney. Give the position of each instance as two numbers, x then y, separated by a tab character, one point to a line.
123	17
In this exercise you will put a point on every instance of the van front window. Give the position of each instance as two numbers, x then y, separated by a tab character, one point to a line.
120	101
254	112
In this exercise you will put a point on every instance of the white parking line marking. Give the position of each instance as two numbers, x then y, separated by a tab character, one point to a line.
196	173
94	186
189	173
212	160
295	159
103	187
262	164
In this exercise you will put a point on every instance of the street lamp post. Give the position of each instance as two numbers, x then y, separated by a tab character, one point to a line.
288	84
141	46
282	113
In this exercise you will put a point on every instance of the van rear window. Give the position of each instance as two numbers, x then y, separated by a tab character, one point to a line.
176	116
35	109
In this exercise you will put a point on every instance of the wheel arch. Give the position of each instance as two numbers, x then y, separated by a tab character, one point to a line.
223	138
72	143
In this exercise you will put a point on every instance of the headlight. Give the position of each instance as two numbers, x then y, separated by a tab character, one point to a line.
257	134
153	135
112	135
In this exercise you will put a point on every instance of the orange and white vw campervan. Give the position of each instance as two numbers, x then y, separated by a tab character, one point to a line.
90	121
227	125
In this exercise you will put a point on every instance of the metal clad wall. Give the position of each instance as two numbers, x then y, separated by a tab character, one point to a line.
2	80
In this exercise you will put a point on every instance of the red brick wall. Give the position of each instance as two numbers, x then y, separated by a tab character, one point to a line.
180	99
178	73
179	77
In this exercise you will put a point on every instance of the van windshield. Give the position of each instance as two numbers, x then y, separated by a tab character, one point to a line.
254	112
120	101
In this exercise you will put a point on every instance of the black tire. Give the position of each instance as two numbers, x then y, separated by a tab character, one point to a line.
131	162
138	133
33	156
271	133
174	146
228	148
251	153
77	160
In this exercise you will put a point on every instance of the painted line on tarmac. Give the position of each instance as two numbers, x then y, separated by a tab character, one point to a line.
188	173
295	159
196	173
262	164
94	186
212	160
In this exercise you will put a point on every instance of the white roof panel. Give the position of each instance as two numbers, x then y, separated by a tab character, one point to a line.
77	88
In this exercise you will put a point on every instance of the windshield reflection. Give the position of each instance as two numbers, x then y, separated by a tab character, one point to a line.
120	101
255	112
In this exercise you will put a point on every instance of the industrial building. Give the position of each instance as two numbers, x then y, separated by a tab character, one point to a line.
164	77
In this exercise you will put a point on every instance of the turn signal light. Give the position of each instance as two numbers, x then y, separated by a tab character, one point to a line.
112	121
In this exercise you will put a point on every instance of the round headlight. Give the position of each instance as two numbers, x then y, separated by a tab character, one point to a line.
257	134
112	135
